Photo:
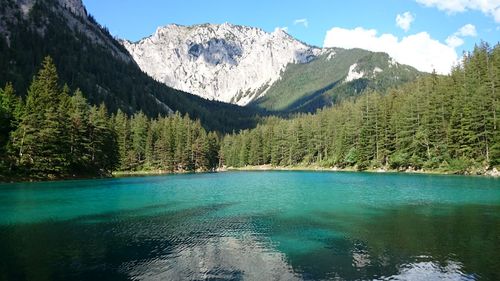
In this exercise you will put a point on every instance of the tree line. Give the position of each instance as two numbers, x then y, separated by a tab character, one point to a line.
54	133
445	123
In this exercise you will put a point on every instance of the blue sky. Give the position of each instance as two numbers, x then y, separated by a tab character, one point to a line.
440	29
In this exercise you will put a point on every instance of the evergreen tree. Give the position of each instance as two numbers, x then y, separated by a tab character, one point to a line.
437	122
213	150
122	129
11	108
104	153
79	133
139	126
39	139
200	152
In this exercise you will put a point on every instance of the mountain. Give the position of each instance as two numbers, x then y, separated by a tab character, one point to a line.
89	58
226	62
245	65
334	75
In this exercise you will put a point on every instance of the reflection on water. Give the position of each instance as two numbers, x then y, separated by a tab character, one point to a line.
223	258
430	271
230	258
296	232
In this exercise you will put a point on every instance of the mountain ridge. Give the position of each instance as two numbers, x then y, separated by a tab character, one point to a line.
227	62
194	58
333	76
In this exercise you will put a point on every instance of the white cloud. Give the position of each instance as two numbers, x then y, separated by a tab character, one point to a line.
488	7
418	50
467	30
303	22
284	28
456	39
404	21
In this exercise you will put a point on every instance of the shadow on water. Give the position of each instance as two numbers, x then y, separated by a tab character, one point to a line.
444	242
84	184
79	250
408	242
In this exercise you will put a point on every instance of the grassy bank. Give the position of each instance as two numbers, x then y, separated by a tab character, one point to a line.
480	172
490	173
154	173
138	173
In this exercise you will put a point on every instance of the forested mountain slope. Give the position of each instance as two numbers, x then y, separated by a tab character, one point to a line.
335	75
448	123
89	58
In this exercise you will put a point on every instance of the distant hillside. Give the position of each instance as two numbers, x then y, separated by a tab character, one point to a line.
336	74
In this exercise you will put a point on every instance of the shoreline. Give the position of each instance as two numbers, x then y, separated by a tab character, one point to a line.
493	173
122	174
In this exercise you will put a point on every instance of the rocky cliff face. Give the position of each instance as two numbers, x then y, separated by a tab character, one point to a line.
74	6
75	15
224	62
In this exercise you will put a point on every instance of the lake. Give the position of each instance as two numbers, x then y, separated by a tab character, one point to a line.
253	226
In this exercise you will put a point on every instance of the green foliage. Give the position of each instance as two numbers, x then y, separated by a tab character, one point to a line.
42	133
307	87
170	144
459	165
56	135
104	72
11	110
438	123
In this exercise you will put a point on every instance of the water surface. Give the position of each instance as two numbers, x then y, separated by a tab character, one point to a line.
253	226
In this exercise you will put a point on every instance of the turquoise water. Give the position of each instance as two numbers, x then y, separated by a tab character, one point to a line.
253	226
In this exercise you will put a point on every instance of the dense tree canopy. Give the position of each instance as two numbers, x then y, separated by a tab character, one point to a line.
53	134
447	123
438	122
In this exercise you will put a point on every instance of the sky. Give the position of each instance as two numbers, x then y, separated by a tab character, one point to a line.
427	34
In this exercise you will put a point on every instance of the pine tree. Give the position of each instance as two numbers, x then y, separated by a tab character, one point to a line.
139	126
122	128
149	151
79	133
437	122
368	138
494	72
213	150
200	151
104	154
39	139
255	148
11	109
181	154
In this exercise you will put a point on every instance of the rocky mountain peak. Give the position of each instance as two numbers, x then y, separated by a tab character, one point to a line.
225	62
74	6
